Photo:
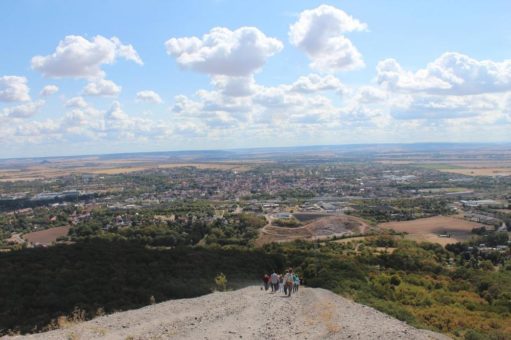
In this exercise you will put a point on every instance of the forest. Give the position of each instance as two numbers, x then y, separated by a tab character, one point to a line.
423	284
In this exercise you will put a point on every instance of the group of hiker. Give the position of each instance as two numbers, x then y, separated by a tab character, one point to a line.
287	283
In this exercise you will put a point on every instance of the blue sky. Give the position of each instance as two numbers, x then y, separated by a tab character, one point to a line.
142	75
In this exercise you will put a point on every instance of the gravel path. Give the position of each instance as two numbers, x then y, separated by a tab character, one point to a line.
247	313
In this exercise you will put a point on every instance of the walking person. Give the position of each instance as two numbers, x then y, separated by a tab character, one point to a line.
274	279
289	282
296	283
266	281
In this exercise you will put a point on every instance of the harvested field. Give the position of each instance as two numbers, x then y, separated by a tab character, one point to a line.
443	241
475	167
111	167
429	229
214	166
336	225
480	171
46	237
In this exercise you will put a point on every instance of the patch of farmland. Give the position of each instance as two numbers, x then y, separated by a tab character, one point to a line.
429	229
46	237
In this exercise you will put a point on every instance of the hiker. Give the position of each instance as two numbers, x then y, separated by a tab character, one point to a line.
281	283
296	284
285	286
288	282
274	279
266	281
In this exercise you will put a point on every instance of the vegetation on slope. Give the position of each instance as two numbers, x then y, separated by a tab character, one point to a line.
38	285
421	284
457	291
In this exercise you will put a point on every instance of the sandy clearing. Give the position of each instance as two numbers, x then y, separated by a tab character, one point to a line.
248	313
321	228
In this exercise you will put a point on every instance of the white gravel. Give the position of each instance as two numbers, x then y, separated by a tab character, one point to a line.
248	313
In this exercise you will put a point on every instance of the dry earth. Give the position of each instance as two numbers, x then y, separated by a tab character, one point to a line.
249	313
428	229
92	165
480	171
47	236
321	228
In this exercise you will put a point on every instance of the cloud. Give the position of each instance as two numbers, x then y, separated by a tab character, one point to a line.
149	97
319	32
286	106
315	83
77	102
77	57
234	86
102	87
371	94
48	90
450	74
24	110
14	88
434	107
235	53
115	113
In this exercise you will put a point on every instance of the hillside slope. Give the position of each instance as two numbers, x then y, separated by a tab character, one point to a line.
248	313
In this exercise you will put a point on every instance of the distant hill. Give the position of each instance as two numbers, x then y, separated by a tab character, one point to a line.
345	150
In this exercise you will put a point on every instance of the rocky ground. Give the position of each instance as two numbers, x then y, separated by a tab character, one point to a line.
248	313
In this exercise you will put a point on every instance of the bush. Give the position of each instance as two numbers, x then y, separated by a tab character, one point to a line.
395	280
221	282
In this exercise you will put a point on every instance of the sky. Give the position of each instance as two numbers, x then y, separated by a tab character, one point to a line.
104	76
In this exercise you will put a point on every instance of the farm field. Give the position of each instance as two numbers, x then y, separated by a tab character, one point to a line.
46	237
453	164
100	167
429	229
480	171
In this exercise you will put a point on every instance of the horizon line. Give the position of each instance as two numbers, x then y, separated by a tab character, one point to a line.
252	148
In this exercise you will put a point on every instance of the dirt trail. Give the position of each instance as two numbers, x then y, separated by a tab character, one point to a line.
247	313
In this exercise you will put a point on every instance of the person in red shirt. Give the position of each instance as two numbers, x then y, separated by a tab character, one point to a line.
266	281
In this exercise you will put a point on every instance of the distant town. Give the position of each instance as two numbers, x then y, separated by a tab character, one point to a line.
385	193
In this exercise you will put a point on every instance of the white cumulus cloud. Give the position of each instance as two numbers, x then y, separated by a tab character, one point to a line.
319	32
77	102
24	110
149	97
314	83
14	88
101	87
224	52
48	90
234	86
451	74
78	57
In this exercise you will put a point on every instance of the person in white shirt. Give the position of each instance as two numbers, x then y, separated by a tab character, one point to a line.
274	279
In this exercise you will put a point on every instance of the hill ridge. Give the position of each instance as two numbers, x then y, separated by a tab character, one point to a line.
248	313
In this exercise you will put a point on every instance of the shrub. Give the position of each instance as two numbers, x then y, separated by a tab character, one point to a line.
221	281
